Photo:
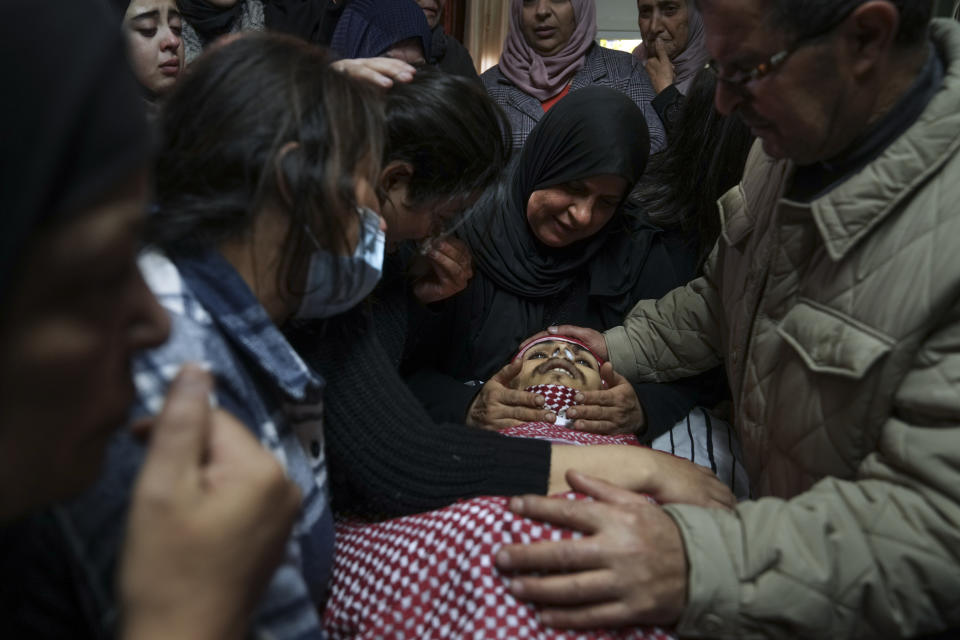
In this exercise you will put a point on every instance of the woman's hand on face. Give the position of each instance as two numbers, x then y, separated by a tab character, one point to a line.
211	512
659	68
382	72
444	271
610	411
594	340
498	406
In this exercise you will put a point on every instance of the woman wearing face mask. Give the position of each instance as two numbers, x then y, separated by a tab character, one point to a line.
674	49
550	52
263	213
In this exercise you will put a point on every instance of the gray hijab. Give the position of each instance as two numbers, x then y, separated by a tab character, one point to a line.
693	57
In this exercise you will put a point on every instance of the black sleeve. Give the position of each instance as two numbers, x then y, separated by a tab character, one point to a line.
42	591
386	455
668	104
665	404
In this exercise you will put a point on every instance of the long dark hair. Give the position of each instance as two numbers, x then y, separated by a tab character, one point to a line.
261	107
704	160
450	132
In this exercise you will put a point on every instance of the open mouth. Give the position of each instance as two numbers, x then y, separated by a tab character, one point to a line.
559	366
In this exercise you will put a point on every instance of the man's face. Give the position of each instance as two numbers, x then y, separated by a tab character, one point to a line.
666	21
559	362
800	109
76	314
432	9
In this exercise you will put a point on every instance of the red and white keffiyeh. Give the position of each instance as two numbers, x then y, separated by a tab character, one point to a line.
431	575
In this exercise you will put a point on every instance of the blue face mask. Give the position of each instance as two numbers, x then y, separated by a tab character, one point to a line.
357	275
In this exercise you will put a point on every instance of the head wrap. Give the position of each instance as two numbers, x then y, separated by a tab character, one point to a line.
209	20
540	77
368	28
693	57
557	338
72	117
593	131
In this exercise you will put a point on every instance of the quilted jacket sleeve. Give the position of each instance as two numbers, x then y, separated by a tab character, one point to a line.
677	336
875	557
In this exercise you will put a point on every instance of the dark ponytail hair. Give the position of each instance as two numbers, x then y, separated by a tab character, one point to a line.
261	107
705	159
450	132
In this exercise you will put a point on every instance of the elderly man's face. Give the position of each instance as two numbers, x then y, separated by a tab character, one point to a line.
797	108
559	362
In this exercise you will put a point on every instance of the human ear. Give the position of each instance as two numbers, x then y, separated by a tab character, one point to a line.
869	34
396	173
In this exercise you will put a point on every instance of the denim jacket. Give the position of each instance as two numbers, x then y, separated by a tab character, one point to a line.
217	321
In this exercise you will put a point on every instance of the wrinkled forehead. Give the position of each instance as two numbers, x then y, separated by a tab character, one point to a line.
739	29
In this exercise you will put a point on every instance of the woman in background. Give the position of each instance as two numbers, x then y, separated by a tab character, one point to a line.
153	30
550	52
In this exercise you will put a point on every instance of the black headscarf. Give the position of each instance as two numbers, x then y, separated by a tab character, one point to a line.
367	28
208	20
595	130
71	117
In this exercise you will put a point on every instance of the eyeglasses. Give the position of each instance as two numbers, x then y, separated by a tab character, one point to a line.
740	79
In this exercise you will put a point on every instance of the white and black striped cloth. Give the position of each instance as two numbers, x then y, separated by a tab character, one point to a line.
709	441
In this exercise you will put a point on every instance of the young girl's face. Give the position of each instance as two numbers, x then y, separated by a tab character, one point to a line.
153	29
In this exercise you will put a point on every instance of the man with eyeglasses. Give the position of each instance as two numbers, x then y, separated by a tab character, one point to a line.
833	299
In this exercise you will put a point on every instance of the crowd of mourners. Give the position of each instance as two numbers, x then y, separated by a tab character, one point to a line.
310	330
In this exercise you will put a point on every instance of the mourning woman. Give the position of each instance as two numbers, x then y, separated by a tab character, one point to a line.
550	52
555	248
673	51
153	31
390	28
211	509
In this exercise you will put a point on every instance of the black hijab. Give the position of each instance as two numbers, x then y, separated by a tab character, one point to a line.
595	130
71	119
367	28
208	20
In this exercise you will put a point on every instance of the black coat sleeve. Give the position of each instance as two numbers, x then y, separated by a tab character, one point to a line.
669	104
386	454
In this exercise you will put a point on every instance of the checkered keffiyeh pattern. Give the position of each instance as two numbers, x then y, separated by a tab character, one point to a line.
431	575
558	434
556	397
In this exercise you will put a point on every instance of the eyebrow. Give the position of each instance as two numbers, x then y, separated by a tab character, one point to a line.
147	15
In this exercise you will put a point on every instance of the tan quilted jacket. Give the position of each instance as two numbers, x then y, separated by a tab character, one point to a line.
839	325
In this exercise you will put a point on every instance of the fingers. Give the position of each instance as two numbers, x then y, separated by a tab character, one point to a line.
610	614
661	51
456	268
506	375
593	339
602	490
611	377
552	556
578	588
180	432
382	72
573	514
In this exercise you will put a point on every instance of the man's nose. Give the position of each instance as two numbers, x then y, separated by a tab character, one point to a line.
727	97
